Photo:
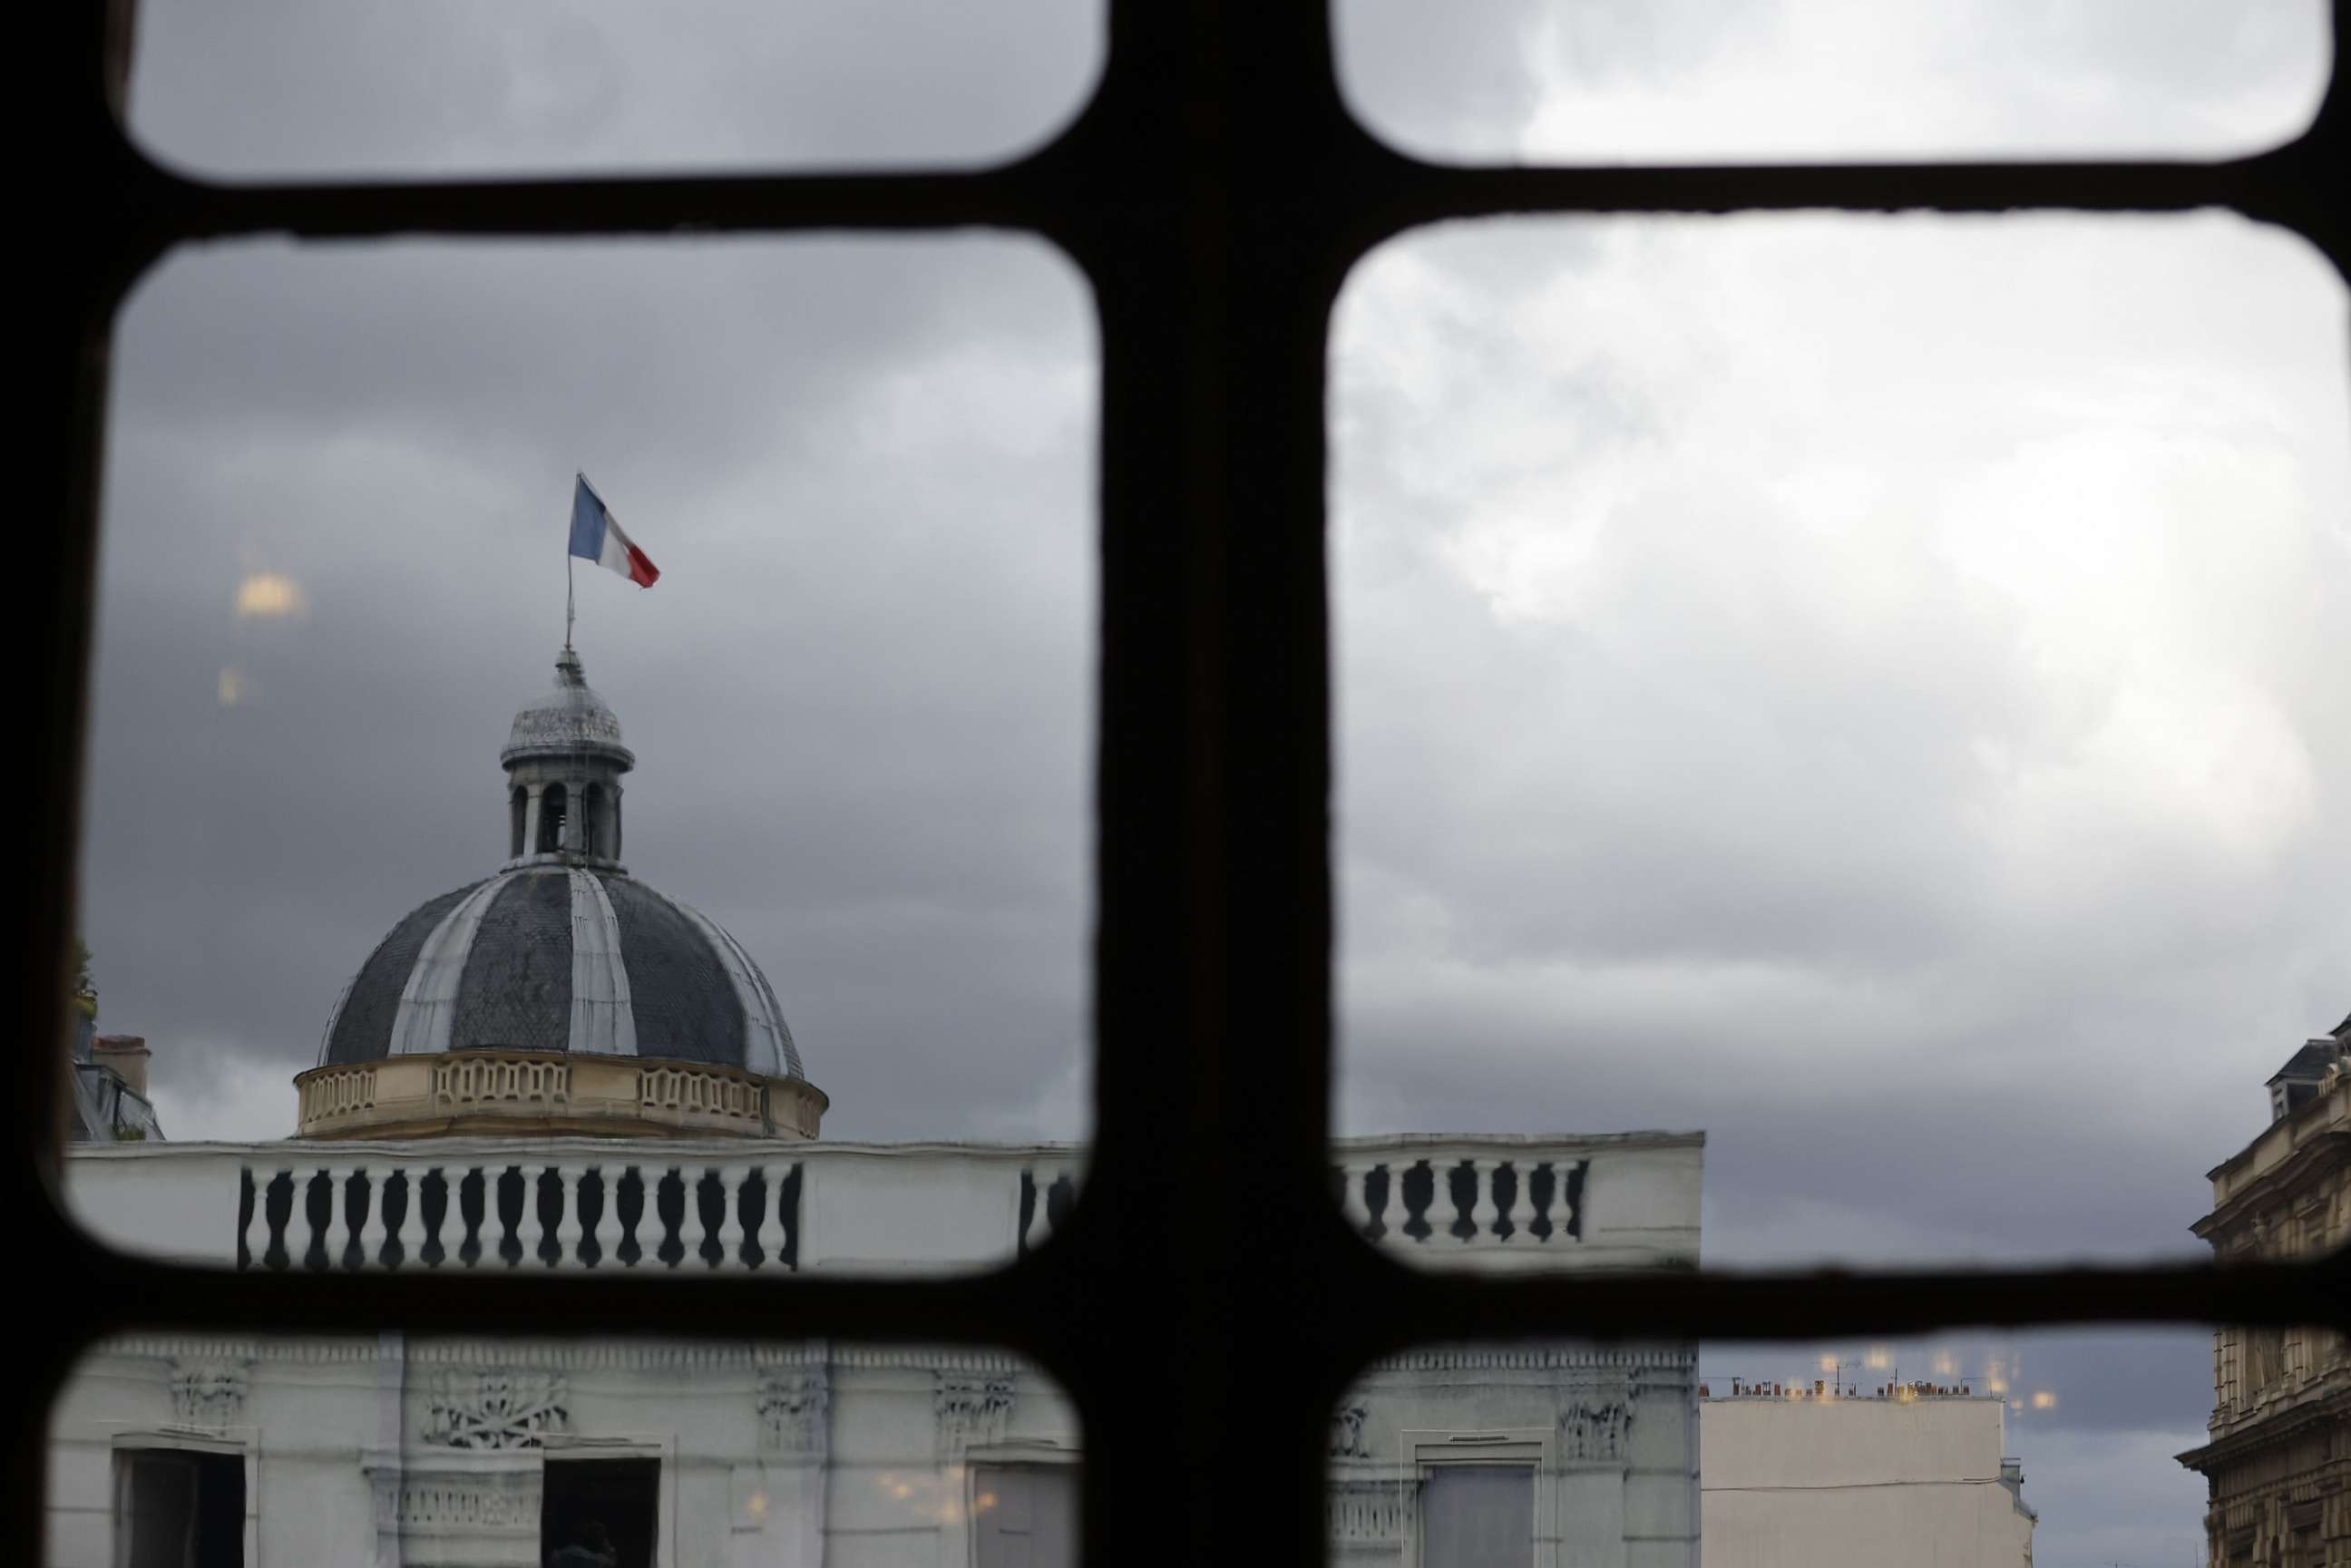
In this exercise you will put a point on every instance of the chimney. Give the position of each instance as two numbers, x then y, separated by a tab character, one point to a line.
127	1054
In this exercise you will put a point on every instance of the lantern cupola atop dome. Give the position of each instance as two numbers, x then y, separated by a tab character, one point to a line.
564	760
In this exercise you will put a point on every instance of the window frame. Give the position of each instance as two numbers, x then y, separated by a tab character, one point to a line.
656	1448
959	1538
131	1446
1534	1449
1216	193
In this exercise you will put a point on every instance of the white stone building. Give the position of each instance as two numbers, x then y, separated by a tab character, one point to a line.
1810	1477
557	1067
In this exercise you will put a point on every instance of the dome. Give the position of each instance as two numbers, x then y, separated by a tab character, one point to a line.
578	958
569	721
559	994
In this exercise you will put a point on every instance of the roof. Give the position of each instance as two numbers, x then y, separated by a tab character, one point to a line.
562	958
569	721
2309	1065
106	1110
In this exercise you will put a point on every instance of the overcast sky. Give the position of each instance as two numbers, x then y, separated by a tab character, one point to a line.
1872	689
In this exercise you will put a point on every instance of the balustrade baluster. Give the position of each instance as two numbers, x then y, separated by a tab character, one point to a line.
1040	1223
701	1232
608	1223
730	1215
526	1225
1481	1201
370	1231
1351	1203
1522	1200
316	1213
395	1199
567	1229
755	1203
254	1239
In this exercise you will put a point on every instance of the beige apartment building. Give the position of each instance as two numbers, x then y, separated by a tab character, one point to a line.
1817	1476
2279	1461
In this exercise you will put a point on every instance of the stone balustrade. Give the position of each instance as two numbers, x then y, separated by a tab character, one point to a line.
483	1094
618	1211
1627	1199
696	1205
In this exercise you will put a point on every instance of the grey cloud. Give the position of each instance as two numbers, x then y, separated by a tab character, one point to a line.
1762	79
268	86
859	695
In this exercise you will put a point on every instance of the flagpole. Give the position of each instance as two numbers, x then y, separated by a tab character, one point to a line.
567	600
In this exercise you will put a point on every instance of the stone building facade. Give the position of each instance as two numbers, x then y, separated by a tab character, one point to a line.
555	1068
2277	1463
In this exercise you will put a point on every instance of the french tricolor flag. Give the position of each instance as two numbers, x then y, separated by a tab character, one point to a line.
596	536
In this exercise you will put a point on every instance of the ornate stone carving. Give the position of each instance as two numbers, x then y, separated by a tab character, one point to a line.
793	1400
970	1409
210	1392
442	1504
1595	1415
1347	1441
495	1407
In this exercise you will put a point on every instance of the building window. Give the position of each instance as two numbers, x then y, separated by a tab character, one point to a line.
2265	1359
551	818
517	810
1024	1516
600	1512
179	1509
1478	1516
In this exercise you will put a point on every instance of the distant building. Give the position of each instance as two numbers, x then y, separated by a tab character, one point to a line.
107	1087
2279	1462
1815	1477
558	1067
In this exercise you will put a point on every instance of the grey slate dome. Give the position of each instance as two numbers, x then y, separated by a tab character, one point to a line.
562	958
562	950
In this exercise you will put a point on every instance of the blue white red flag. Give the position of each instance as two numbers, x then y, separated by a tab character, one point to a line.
596	536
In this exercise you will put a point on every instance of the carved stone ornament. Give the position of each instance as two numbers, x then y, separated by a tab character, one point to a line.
1595	1415
792	1404
432	1503
971	1409
209	1393
495	1407
1347	1440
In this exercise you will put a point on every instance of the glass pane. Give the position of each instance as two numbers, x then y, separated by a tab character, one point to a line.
782	862
1024	1516
177	1448
1479	1516
1982	1450
258	88
1862	692
1757	81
